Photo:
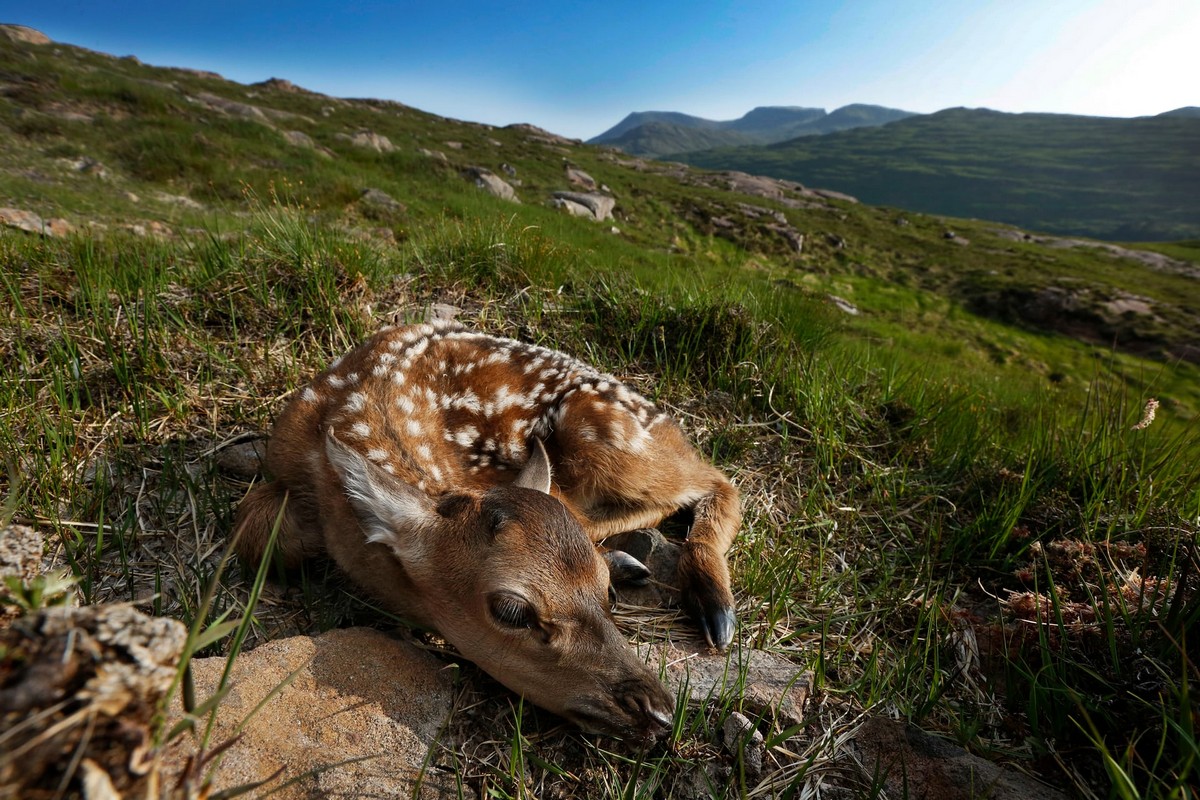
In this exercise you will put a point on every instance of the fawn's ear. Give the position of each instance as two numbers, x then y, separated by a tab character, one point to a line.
389	510
536	472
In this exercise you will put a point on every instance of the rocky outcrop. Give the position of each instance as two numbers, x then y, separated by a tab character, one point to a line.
541	136
32	223
1155	261
23	34
93	678
598	206
368	140
491	183
354	714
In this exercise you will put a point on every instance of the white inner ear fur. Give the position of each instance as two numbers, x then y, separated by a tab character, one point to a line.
391	512
536	472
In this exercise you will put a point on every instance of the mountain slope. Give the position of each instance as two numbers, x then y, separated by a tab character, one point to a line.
762	125
1121	179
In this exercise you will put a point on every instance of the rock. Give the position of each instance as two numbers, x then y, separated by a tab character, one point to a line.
508	169
376	202
441	311
436	155
491	182
201	73
95	677
912	763
572	208
21	33
233	108
281	85
32	223
151	228
793	237
660	555
454	145
829	194
244	459
774	688
843	304
740	736
20	558
178	200
131	197
578	177
368	140
540	135
302	139
356	694
600	206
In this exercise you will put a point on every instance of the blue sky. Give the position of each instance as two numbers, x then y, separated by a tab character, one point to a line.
578	68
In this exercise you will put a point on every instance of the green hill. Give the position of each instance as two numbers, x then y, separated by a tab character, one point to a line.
1117	179
968	455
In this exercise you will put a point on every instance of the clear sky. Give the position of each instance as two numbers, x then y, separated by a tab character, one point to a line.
577	68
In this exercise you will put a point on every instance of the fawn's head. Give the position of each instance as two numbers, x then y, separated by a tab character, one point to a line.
510	578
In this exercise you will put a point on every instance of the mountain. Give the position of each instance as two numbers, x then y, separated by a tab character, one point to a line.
1186	111
762	125
1110	178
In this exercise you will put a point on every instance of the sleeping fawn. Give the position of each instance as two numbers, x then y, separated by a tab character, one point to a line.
463	480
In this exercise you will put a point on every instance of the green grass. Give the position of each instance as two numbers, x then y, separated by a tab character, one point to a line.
948	517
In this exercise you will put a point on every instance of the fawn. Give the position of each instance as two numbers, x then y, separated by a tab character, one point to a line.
463	480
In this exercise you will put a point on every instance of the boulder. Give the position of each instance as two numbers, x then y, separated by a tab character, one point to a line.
912	763
32	223
179	200
94	679
368	140
353	714
600	205
436	155
378	203
303	140
578	177
492	183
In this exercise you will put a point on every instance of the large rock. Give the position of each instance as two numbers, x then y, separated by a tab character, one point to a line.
492	183
355	694
303	140
20	33
32	223
915	764
93	679
600	205
368	140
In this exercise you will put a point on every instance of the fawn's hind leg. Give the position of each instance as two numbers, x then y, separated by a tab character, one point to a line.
256	519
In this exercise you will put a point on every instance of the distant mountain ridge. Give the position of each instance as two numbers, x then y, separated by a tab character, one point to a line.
664	133
1123	179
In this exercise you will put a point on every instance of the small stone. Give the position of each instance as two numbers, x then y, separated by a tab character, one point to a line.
740	736
441	311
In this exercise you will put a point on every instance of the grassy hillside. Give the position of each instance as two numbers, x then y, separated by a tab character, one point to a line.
1117	179
958	510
